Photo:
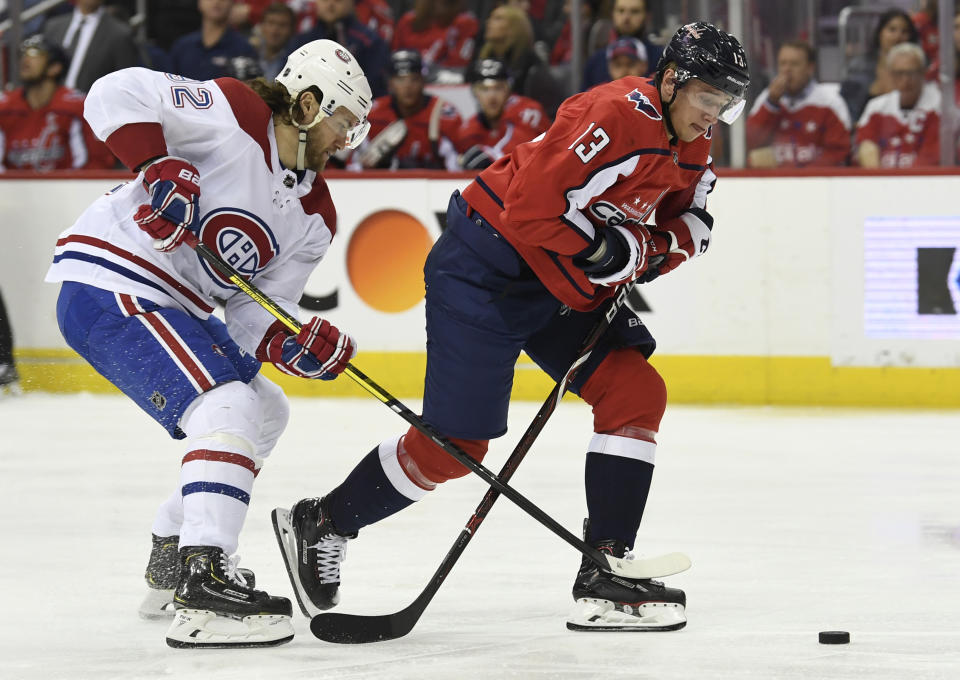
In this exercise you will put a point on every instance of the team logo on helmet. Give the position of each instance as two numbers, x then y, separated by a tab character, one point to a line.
644	105
242	239
344	56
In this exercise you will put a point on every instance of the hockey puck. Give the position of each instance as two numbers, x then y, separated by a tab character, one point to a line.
834	637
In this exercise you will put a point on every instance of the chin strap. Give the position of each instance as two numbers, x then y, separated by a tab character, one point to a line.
302	135
666	117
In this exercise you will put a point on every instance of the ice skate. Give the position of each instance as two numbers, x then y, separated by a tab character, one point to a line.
606	602
163	567
9	381
312	549
216	608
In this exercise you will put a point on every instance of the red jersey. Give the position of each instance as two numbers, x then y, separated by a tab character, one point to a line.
605	161
54	137
439	45
811	129
377	16
523	119
906	138
428	142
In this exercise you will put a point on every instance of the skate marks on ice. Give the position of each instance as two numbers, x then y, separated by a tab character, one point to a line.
797	521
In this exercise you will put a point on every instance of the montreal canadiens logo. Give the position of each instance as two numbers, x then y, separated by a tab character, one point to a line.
242	239
644	105
343	56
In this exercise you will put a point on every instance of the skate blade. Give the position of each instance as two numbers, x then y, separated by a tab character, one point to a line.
287	541
604	616
158	604
201	628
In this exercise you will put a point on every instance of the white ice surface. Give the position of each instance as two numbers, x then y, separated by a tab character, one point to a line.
797	520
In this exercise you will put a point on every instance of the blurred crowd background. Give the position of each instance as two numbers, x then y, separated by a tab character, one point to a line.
459	83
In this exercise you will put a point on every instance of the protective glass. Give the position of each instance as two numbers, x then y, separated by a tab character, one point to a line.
720	105
354	134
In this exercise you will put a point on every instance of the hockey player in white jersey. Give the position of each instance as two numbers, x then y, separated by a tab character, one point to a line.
235	164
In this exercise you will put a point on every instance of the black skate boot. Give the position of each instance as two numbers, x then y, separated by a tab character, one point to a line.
163	568
312	549
9	380
607	602
216	608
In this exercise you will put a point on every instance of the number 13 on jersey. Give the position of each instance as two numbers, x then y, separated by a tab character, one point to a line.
587	150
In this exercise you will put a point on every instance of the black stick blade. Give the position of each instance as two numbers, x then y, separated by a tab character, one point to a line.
353	629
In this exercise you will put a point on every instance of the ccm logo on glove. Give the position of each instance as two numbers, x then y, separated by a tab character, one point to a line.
174	210
319	350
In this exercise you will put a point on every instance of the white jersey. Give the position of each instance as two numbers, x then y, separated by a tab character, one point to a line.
254	213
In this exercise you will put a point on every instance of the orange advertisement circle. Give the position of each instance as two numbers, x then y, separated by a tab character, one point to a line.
385	259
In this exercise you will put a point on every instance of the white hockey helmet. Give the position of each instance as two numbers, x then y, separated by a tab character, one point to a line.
330	68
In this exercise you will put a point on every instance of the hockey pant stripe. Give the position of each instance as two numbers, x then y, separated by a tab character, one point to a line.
178	351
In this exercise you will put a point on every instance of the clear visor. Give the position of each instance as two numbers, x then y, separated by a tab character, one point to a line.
353	134
720	105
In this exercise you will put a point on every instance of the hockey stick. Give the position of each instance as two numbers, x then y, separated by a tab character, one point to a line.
619	566
358	629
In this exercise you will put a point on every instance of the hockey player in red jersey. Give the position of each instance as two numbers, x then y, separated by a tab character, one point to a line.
504	120
532	248
409	128
237	166
41	123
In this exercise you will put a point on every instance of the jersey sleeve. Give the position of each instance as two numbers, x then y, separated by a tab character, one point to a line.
143	114
125	110
683	218
592	143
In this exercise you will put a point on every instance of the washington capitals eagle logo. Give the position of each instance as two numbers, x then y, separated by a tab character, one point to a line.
643	104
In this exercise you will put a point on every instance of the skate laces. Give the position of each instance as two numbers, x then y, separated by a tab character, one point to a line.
230	569
331	551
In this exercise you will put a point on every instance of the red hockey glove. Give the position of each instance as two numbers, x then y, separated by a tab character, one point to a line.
174	208
689	237
320	350
620	256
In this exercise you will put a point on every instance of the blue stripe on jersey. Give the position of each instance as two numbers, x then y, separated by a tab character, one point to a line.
216	487
483	185
566	275
692	166
112	266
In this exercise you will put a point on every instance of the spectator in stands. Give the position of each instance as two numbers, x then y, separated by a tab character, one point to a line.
509	38
216	50
925	19
867	75
627	57
443	31
337	21
409	128
560	34
94	41
41	123
275	30
503	121
901	129
377	15
629	21
797	122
